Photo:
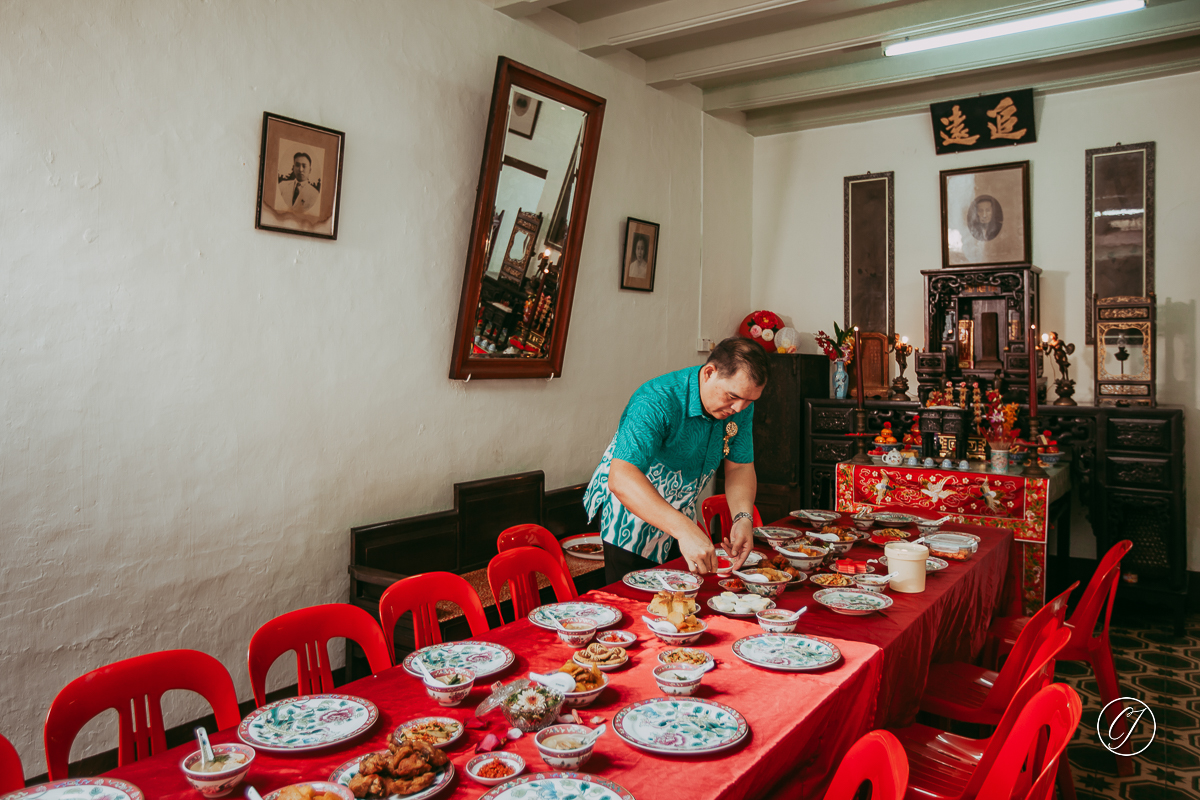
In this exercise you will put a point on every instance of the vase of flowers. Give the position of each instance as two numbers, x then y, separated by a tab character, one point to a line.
840	350
996	425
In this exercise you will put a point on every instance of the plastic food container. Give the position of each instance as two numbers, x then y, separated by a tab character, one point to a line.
908	562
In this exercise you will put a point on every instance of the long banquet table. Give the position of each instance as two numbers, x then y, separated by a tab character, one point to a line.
801	724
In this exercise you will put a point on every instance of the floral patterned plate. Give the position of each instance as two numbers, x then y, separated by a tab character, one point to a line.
932	564
755	557
308	722
482	658
349	771
79	789
604	616
816	515
322	787
584	545
680	727
558	786
891	518
453	727
853	602
789	652
647	580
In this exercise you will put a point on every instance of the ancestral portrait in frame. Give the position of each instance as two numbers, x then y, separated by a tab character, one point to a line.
640	256
299	178
985	216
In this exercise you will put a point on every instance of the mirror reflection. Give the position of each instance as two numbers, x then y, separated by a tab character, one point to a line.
530	218
1124	356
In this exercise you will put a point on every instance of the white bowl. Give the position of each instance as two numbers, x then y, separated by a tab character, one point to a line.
668	680
770	625
685	664
514	761
217	784
578	636
628	639
872	583
564	759
677	639
449	695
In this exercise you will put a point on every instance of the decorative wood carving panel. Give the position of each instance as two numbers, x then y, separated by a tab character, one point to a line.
1130	434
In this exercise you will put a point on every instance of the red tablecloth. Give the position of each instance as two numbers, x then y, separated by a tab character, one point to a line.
800	723
946	622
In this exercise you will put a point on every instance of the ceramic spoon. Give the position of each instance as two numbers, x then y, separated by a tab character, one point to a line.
424	672
824	537
252	793
792	617
560	682
753	578
206	751
661	627
594	735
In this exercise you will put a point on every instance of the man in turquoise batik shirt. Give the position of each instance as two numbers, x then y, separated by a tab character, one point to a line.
674	433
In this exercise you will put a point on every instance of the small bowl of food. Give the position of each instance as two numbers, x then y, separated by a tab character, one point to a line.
687	657
894	518
689	629
846	539
777	581
678	681
563	746
864	522
577	631
776	620
621	638
872	583
450	685
804	557
589	683
774	535
818	516
493	769
222	775
532	708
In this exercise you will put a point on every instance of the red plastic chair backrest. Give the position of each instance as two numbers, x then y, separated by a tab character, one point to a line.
1048	619
1030	752
717	506
420	594
134	688
530	535
516	568
1040	675
12	774
308	631
1102	586
877	758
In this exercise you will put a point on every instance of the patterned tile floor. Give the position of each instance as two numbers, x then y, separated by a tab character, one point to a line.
1163	672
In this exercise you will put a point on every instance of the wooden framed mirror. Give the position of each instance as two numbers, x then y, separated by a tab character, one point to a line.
527	232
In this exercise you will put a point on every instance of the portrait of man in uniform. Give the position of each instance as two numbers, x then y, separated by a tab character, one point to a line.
300	189
299	179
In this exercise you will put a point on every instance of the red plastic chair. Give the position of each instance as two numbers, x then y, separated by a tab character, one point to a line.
308	631
134	688
530	535
1086	644
717	506
969	693
420	594
515	568
12	774
877	758
948	766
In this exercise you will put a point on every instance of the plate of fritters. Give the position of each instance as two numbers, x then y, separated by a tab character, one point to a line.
886	535
312	790
831	580
843	533
412	770
437	731
606	658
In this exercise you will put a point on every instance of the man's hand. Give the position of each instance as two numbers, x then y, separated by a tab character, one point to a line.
697	549
740	543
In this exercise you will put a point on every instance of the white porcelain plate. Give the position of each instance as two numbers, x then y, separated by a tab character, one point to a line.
680	727
604	616
558	786
816	515
770	533
788	652
482	658
349	771
736	613
583	546
308	722
647	580
853	602
79	789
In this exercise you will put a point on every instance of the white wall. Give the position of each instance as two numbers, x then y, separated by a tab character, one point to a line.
196	412
798	248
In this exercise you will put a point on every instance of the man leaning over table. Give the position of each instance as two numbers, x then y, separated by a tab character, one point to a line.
674	433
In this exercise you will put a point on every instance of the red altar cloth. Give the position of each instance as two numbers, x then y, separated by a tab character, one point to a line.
801	724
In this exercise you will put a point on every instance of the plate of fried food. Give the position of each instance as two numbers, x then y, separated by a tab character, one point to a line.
589	683
411	769
885	535
313	790
606	658
687	656
830	580
437	731
781	563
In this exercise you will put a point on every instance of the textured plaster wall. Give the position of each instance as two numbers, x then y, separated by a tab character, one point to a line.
195	412
798	242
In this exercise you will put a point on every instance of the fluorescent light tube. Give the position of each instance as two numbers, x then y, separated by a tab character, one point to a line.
1015	26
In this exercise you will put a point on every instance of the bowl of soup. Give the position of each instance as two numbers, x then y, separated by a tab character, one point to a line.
449	686
576	631
219	777
562	746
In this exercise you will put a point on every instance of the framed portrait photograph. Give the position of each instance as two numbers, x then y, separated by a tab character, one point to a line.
640	255
299	178
523	117
985	216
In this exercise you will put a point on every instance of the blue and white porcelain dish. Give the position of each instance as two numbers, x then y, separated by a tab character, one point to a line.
308	722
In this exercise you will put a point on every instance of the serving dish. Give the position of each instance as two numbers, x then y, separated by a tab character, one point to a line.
308	722
773	535
585	698
833	579
620	638
798	559
816	515
892	518
482	658
329	787
681	638
606	666
680	726
348	771
603	615
787	652
587	541
79	789
853	602
646	580
512	760
705	658
770	604
453	728
558	786
753	559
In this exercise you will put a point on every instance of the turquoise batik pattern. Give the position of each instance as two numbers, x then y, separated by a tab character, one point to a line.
665	433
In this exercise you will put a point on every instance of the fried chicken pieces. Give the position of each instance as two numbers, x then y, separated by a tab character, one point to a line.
406	768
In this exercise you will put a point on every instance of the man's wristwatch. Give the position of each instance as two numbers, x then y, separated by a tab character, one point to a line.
741	515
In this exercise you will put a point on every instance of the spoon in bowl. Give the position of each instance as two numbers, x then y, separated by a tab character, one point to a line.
661	626
794	616
752	577
824	537
421	668
594	735
206	751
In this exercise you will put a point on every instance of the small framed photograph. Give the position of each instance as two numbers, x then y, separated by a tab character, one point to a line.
523	117
640	255
299	178
985	216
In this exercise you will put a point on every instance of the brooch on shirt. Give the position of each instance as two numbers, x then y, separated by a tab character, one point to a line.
730	432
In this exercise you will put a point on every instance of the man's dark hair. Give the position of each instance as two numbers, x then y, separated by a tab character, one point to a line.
303	155
739	353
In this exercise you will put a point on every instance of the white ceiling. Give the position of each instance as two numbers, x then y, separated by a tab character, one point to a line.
783	65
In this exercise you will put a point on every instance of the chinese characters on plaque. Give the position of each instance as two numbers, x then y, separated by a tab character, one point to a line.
979	123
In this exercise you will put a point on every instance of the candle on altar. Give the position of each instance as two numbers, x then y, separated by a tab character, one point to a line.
858	366
1032	348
